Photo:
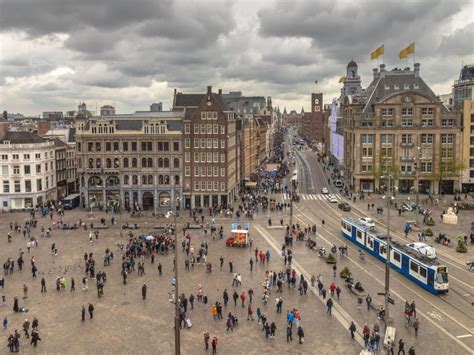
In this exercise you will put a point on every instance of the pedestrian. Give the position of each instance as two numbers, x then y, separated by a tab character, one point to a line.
91	311
83	313
73	284
26	328
416	325
214	345
206	340
300	334
338	292
389	346
329	305
35	337
368	299
191	301
249	312
16	308
43	285
242	298
273	329
235	296
401	347
160	269
411	351
25	292
144	291
5	323
289	333
352	329
251	264
221	259
231	266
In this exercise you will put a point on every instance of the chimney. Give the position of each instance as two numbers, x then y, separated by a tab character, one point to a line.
220	91
417	69
209	89
382	67
376	72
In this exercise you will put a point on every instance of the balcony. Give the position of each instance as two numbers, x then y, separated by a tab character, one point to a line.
407	145
407	158
407	173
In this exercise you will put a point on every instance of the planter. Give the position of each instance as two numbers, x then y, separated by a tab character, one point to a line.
429	232
430	222
330	259
345	273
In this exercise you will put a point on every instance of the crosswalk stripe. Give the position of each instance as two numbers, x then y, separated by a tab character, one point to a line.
304	197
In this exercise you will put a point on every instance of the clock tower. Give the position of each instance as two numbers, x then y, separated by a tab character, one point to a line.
317	103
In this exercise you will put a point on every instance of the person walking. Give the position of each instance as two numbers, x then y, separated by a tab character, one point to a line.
416	325
35	337
206	340
273	329
214	345
83	313
73	284
411	351
368	299
5	323
25	292
235	296
43	285
160	269
401	347
91	311
289	334
352	329
231	266
26	328
249	312
242	298
329	305
144	291
301	334
251	264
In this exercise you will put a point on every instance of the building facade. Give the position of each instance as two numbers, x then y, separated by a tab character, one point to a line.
211	159
463	88
132	162
398	125
28	171
468	146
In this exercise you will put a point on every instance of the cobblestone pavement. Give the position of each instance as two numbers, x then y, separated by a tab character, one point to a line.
124	323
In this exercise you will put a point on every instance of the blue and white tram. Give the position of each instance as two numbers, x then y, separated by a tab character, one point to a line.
425	272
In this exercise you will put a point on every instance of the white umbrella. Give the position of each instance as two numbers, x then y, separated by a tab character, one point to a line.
150	237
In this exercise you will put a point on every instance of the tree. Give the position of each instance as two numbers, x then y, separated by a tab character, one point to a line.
5	115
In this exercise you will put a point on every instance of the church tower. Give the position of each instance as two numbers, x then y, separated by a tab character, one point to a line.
352	83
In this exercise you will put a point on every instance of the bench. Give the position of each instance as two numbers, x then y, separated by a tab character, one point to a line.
358	293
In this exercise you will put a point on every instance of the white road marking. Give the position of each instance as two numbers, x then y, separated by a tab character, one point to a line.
464	336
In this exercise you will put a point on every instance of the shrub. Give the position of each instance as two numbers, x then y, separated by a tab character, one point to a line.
430	222
345	272
429	232
330	259
461	248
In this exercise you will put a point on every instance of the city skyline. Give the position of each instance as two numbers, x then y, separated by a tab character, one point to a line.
130	55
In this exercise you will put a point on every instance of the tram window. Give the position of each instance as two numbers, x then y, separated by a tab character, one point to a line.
370	242
396	256
343	224
348	227
422	272
414	267
383	250
359	234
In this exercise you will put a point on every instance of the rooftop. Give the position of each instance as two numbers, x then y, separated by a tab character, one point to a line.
22	138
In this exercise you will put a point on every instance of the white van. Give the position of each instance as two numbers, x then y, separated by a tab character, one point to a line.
338	183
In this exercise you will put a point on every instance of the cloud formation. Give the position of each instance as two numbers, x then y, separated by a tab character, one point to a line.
54	53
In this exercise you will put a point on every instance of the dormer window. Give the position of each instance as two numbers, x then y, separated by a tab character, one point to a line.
387	87
406	87
416	86
396	87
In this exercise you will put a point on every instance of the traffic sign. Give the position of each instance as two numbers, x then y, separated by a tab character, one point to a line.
381	293
391	301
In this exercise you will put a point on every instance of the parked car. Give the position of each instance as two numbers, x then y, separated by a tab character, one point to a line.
423	249
338	183
325	190
368	222
332	199
408	206
344	206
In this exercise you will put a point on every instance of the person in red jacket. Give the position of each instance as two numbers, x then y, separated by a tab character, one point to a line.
242	298
214	345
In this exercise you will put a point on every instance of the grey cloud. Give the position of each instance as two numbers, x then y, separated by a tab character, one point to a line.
461	42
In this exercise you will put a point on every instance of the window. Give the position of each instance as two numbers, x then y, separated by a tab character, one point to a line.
426	167
209	171
367	138
407	111
386	152
203	185
406	168
196	185
79	146
166	146
215	157
448	122
222	144
15	156
125	162
98	147
209	128
147	146
203	157
222	172
215	171
197	171
222	158
4	157
187	157
215	143
446	167
427	111
39	185
17	186
423	272
134	162
116	146
27	185
209	157
209	143
196	128
47	182
134	146
215	128
215	185
367	152
196	157
203	143
176	146
6	186
203	128
126	180
187	128
222	186
387	112
175	163
125	146
447	138
426	138
27	169
209	186
108	146
413	267
396	256
407	138
426	122
222	129
386	138
387	123
26	156
4	170
16	169
366	168
187	170
38	168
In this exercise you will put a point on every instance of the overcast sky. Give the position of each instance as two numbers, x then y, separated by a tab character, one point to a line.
54	53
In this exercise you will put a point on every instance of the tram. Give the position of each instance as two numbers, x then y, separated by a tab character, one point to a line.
423	271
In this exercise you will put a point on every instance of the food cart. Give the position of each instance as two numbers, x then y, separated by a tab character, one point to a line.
239	236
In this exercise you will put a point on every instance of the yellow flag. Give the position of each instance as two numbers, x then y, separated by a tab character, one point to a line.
411	48
341	80
403	53
380	51
373	55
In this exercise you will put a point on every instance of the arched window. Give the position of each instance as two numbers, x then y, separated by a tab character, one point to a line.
160	180
143	162
167	179
91	163
160	162
176	163
167	163
95	181
112	181
108	163
116	163
126	180
150	179
164	199
176	179
98	163
135	180
143	179
134	162
125	162
150	162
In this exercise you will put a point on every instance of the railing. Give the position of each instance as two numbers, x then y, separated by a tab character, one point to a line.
407	173
407	158
408	145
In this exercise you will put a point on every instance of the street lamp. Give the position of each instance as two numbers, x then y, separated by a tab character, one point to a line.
177	341
387	263
417	177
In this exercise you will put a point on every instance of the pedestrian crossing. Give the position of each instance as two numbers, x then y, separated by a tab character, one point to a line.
314	197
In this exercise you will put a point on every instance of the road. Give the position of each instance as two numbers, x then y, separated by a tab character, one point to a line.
447	321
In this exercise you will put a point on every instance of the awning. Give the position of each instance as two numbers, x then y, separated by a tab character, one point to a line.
250	184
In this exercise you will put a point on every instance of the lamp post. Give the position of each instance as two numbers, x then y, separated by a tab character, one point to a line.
417	177
177	335
387	263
